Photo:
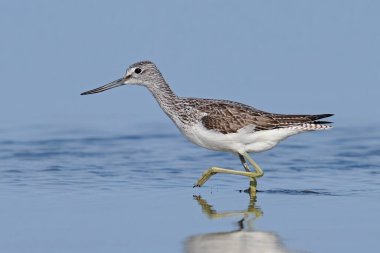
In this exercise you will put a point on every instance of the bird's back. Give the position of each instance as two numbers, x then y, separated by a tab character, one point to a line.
228	117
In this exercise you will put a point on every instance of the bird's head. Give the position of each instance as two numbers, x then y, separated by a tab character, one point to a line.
143	73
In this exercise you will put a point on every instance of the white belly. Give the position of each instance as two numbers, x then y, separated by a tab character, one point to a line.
242	141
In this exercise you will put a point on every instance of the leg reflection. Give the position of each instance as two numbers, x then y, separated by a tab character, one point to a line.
251	210
244	239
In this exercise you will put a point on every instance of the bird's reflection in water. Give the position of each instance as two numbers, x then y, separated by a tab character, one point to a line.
244	239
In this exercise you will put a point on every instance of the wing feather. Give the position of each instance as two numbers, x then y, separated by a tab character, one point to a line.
228	117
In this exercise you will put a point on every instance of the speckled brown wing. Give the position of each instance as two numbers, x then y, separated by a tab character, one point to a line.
228	117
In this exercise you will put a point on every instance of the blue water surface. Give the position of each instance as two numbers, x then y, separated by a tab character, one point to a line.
84	189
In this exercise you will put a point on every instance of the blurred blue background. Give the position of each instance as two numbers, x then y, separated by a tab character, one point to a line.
279	56
103	173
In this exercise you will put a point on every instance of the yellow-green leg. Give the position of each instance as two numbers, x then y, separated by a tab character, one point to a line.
243	157
253	182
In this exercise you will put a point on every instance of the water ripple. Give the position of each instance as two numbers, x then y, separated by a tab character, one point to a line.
328	162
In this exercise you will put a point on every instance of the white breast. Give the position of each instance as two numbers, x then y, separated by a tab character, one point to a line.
245	140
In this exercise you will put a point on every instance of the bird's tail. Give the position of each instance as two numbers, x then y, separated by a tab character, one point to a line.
303	122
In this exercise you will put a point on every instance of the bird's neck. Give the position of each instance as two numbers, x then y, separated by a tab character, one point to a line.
164	95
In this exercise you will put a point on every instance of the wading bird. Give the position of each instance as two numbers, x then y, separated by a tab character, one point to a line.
219	125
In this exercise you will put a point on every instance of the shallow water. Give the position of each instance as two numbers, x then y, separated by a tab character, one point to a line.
86	190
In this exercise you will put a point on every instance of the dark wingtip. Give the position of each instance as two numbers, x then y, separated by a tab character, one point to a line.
322	122
322	116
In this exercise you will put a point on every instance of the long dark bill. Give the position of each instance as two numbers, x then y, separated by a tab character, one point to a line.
114	84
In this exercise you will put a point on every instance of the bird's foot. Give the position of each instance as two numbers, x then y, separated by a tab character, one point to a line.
203	179
252	189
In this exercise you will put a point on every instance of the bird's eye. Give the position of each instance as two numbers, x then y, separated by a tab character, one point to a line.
137	70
